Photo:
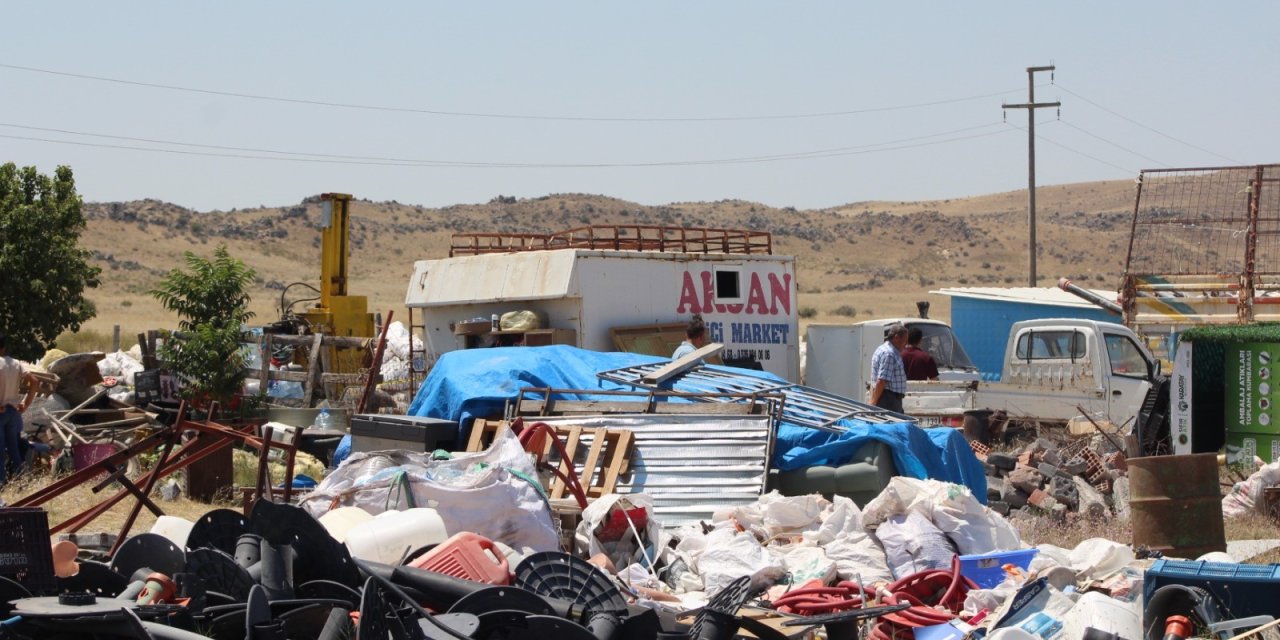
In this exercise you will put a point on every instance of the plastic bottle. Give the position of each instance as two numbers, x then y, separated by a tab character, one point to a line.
323	419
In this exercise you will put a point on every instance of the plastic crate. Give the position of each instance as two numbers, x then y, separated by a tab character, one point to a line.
1242	589
987	569
26	555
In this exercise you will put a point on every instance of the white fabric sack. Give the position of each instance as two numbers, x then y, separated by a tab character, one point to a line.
623	551
952	508
856	554
806	563
730	555
912	543
490	493
1247	496
1097	557
791	514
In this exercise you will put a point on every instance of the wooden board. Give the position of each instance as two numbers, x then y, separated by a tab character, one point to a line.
602	455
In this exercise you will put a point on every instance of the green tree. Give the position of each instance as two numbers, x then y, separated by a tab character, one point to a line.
212	301
43	271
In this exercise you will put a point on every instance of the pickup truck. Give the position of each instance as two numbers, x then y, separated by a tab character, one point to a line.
1051	367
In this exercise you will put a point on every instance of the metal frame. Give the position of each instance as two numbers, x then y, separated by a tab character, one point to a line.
804	406
618	238
189	452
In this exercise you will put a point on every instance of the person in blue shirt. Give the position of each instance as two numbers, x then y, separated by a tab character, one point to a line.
695	338
888	371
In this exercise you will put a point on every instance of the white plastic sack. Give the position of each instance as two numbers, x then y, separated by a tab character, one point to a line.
120	365
951	508
398	338
1247	496
490	493
1097	557
624	551
791	514
912	544
730	555
806	563
856	554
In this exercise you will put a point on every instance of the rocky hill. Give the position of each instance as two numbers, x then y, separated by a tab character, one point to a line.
856	261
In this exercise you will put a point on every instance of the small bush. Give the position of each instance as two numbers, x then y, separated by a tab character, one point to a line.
845	310
808	312
83	341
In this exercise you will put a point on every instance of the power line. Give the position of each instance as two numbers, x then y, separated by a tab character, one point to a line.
252	154
505	116
1151	129
1120	147
1076	151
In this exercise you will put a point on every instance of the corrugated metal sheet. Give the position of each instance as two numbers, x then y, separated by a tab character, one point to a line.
804	406
690	465
536	275
1028	295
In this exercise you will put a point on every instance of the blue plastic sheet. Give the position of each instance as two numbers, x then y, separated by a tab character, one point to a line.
474	383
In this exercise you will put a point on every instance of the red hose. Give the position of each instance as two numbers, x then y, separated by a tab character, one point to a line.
936	595
570	480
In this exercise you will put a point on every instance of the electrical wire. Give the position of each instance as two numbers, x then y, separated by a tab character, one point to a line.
504	116
249	154
1075	151
1120	147
1151	129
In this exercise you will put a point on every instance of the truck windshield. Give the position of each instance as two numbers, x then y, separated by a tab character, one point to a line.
941	343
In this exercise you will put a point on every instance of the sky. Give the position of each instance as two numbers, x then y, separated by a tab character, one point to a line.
224	105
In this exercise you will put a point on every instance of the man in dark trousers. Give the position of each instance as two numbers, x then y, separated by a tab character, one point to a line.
918	363
887	370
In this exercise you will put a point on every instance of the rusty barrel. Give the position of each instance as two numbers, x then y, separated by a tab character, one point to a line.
1176	505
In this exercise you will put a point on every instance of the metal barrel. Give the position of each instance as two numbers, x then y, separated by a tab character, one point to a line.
1176	504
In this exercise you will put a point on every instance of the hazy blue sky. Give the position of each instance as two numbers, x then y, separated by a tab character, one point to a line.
653	102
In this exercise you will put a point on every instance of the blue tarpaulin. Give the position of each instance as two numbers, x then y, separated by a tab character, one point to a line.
472	383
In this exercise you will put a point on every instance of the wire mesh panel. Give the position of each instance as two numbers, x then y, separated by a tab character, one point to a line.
1205	247
1191	222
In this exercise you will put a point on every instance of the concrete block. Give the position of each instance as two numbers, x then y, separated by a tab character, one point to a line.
1075	466
1014	497
1026	478
1092	503
999	507
1120	497
1002	461
1041	499
1051	471
1064	490
995	488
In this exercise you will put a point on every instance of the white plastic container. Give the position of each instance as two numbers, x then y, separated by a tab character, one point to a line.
1103	613
390	537
338	522
174	528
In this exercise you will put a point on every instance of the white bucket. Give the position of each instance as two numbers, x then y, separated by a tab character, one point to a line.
175	529
389	537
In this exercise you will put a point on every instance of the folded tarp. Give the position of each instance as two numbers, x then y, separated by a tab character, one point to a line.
471	383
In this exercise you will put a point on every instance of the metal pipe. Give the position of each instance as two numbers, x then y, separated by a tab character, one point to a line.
1066	285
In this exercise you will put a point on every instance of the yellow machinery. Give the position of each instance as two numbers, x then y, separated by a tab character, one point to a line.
336	313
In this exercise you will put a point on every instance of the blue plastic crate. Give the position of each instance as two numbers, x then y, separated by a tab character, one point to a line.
1242	589
986	570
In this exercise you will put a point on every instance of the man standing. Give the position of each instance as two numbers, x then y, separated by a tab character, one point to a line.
887	370
12	405
695	338
917	362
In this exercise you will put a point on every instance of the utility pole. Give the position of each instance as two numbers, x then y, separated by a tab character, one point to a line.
1031	107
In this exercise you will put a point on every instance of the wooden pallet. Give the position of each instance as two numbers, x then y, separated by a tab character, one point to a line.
599	462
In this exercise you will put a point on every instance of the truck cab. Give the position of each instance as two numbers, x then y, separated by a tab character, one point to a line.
1103	366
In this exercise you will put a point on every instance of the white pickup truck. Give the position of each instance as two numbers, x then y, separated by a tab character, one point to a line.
1051	367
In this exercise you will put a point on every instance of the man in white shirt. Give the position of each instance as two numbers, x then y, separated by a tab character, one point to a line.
12	405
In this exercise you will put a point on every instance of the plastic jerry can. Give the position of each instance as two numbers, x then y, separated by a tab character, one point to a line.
467	555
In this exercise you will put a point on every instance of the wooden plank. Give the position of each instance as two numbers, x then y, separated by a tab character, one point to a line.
571	437
588	469
618	459
326	364
264	379
342	378
683	364
313	363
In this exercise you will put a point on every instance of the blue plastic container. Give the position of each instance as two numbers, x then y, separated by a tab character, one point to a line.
1243	590
986	570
